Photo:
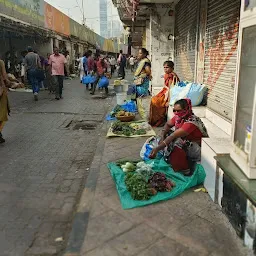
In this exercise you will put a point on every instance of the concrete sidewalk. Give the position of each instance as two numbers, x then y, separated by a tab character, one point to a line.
190	224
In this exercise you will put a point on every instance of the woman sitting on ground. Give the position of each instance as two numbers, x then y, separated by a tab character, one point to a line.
183	143
160	103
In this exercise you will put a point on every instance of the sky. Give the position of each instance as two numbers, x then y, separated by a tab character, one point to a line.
91	10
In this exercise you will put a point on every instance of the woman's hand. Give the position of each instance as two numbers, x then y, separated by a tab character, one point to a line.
161	140
153	154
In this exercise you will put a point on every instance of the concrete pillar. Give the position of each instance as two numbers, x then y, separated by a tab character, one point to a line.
161	42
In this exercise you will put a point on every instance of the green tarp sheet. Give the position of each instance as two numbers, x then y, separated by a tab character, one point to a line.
182	183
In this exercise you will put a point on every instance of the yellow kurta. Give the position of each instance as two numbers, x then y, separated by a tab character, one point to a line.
4	104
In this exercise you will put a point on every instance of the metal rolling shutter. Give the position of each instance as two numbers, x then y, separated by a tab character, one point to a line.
221	54
186	27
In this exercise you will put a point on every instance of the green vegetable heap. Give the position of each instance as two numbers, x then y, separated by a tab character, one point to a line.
126	129
138	187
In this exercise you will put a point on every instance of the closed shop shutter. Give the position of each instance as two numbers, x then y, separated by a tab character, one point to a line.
186	27
221	53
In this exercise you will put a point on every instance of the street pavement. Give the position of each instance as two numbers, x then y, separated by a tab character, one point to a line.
43	167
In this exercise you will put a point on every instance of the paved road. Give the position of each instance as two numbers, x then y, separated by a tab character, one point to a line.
43	167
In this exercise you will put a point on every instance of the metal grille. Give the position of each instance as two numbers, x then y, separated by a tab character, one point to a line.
221	54
186	27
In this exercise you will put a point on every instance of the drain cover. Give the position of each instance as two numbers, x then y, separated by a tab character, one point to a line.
84	126
81	125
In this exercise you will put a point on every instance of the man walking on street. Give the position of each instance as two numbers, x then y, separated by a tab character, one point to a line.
122	64
112	65
32	65
132	63
90	62
58	62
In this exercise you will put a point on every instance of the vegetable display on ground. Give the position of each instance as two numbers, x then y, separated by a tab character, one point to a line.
159	182
124	113
138	187
126	129
142	182
116	109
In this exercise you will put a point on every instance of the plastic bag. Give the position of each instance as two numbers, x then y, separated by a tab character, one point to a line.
196	93
103	83
130	106
148	147
86	79
179	92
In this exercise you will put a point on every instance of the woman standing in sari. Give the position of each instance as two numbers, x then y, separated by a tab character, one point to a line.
4	103
160	103
142	77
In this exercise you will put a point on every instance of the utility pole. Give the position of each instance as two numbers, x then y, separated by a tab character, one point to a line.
111	19
83	12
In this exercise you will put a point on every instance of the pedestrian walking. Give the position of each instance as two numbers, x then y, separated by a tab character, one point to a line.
23	69
81	68
4	103
100	69
58	62
122	64
112	64
67	69
90	62
48	75
132	63
32	65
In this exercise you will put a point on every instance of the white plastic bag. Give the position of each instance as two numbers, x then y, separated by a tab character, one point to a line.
150	143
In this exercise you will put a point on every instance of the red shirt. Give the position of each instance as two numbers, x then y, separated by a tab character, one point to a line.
100	68
194	134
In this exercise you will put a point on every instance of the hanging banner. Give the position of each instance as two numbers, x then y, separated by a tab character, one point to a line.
29	11
56	20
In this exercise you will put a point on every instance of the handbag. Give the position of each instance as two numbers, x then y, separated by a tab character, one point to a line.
139	81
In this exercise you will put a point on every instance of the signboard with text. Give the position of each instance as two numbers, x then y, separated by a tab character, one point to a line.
29	11
56	20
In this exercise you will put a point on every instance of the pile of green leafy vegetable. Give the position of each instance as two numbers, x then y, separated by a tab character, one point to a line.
122	128
138	187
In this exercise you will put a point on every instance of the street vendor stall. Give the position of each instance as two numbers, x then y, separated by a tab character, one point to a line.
144	183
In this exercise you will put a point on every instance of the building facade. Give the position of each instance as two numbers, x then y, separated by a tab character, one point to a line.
103	18
115	28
